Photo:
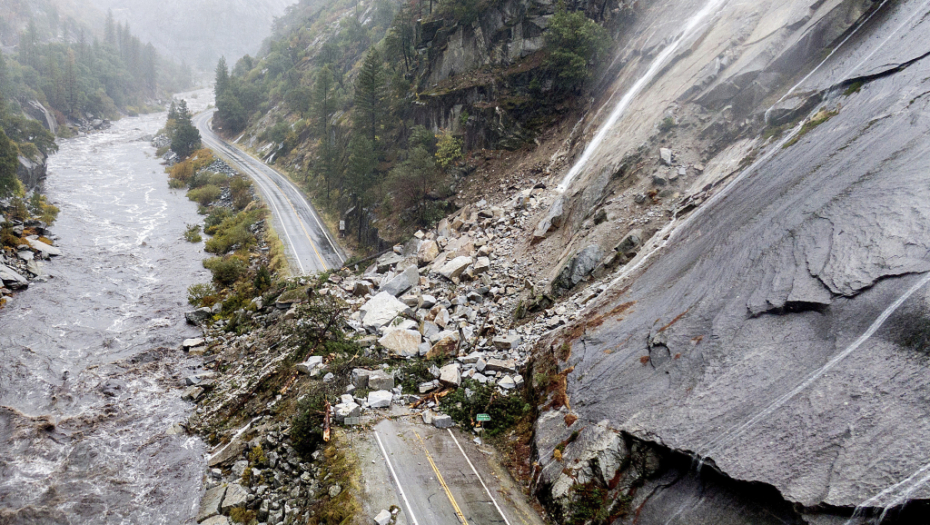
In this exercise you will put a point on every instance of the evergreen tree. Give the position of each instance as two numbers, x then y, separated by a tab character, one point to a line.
222	78
573	44
9	163
324	102
4	83
110	31
369	97
360	173
71	87
186	138
412	181
230	113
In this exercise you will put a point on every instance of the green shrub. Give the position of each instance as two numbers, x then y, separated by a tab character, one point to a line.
196	293
234	233
226	270
505	411
449	150
262	279
205	195
192	233
215	217
668	123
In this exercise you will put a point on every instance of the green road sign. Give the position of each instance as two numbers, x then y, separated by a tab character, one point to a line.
483	418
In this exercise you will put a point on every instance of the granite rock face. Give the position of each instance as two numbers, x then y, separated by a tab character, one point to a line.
775	331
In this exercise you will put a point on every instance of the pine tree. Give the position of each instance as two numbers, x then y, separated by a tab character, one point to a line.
110	32
9	163
323	99
360	173
71	87
4	83
222	78
369	97
186	138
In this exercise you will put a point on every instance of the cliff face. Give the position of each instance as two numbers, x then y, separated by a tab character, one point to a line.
32	173
473	78
774	327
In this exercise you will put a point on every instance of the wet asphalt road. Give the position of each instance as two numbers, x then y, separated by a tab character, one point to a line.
443	478
311	248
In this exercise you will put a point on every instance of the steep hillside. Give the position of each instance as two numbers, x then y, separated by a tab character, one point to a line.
355	99
724	203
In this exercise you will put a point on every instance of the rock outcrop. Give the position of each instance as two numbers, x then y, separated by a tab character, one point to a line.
775	332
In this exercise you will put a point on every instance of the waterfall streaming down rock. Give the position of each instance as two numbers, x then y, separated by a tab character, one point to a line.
690	29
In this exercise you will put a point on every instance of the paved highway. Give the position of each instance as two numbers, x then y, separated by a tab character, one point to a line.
310	247
442	478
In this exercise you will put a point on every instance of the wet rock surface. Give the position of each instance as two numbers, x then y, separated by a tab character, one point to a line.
772	332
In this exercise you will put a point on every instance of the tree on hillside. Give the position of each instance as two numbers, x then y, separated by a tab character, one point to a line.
71	83
230	111
110	30
369	97
324	100
9	163
573	45
222	78
413	180
4	79
185	139
360	173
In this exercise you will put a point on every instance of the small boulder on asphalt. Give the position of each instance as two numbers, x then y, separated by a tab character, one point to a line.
443	421
383	518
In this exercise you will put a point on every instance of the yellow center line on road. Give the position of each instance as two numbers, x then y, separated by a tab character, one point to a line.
303	225
442	482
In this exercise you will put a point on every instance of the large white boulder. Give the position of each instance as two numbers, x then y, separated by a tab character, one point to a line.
454	268
402	342
380	310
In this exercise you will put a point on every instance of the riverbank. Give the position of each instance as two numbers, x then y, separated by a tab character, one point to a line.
89	396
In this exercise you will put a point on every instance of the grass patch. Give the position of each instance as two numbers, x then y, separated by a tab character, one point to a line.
854	88
820	118
340	467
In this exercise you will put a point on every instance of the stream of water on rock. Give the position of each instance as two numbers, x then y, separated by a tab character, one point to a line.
89	362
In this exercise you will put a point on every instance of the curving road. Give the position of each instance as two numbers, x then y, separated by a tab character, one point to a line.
310	246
